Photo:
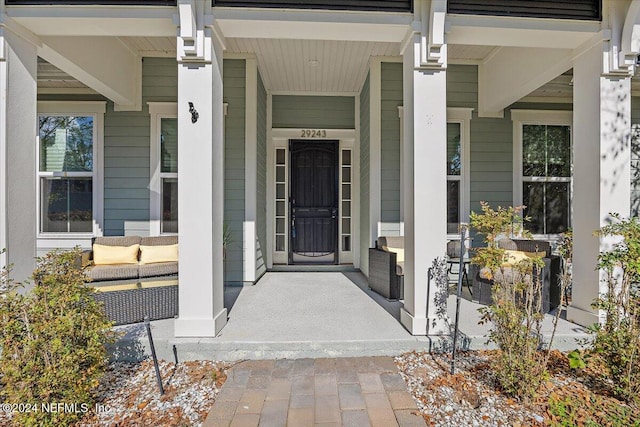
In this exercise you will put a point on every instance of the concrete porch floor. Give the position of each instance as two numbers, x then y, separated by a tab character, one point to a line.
315	314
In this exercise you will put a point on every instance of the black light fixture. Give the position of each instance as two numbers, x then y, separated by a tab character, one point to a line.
194	113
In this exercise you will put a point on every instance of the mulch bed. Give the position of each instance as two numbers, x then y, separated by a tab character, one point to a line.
471	396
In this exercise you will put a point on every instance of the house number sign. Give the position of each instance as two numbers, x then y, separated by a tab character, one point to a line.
313	133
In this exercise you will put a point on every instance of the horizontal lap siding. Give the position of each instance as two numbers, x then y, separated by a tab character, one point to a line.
93	2
234	82
567	9
391	98
261	176
126	148
364	177
313	112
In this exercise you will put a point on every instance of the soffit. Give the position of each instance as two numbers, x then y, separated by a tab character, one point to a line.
51	77
468	52
312	65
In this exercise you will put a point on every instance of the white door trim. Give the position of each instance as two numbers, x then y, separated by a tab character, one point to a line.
279	138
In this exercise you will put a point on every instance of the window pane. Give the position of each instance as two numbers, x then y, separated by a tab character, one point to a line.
66	143
280	193
280	157
533	150
280	225
81	205
66	205
453	206
533	199
346	226
280	208
54	213
280	243
346	191
169	222
558	151
346	243
346	208
169	145
346	157
346	174
453	149
280	174
557	209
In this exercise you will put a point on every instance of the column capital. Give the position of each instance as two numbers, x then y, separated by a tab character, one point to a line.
623	45
427	34
197	30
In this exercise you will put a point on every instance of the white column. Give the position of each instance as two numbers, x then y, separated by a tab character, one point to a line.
249	235
201	193
425	142
601	171
18	119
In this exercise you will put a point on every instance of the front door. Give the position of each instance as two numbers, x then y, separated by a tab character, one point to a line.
314	202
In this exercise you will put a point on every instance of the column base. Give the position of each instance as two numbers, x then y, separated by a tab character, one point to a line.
582	317
415	325
205	328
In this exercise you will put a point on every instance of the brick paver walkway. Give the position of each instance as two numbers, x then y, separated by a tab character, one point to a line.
349	392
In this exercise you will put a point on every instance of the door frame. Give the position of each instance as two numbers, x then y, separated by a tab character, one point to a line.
336	178
279	139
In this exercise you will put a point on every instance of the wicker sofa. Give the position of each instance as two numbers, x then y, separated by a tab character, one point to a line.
132	291
386	267
549	274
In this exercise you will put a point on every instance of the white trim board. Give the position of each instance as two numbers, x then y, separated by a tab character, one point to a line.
279	138
249	230
3	155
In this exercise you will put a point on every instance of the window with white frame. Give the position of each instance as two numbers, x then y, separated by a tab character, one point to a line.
164	167
458	130
542	168
69	167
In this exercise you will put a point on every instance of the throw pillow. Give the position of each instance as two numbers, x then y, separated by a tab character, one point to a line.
110	255
160	253
399	253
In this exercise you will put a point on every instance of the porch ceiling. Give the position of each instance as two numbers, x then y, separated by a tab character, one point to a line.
312	65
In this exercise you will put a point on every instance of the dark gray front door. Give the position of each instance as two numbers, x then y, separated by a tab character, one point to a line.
314	202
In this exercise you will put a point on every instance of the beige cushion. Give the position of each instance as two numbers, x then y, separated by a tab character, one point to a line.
113	272
159	240
390	241
161	253
515	257
111	255
399	253
158	269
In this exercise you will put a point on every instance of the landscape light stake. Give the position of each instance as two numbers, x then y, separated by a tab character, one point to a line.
463	232
153	354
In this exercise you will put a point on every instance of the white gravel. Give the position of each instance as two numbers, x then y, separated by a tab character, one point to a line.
468	398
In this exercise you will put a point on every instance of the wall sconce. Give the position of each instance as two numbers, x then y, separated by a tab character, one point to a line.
194	113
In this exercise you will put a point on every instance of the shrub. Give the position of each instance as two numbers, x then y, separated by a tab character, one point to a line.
617	339
53	343
516	312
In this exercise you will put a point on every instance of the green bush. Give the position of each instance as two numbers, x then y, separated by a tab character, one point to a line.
617	339
53	343
515	314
